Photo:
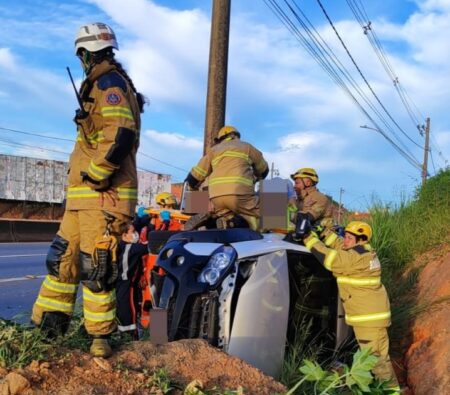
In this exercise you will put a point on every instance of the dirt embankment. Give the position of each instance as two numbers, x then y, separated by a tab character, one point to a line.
130	371
428	357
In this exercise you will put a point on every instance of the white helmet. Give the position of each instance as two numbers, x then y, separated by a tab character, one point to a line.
94	37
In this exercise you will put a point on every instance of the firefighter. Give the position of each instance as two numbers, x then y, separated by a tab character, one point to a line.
101	195
233	166
310	200
166	200
317	287
164	221
357	270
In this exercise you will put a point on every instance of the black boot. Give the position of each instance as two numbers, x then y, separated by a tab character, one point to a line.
54	324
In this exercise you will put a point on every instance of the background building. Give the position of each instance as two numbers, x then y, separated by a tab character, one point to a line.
35	188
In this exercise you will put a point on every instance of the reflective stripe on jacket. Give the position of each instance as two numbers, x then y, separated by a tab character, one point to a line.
233	166
107	141
358	274
315	203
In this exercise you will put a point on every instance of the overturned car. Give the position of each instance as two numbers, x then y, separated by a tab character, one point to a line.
240	289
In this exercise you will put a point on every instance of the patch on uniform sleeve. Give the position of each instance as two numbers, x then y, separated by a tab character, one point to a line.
374	263
113	98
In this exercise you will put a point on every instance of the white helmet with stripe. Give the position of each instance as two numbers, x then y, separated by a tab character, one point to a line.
95	37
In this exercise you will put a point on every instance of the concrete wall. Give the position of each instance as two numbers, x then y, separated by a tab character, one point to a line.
31	179
39	180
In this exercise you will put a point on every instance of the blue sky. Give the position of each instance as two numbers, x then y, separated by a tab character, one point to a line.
278	96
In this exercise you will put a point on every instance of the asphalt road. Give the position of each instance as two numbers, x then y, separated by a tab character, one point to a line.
22	268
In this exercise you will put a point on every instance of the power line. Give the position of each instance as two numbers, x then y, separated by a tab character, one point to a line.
409	104
164	163
14	144
71	140
363	19
362	75
35	134
330	53
325	57
435	146
432	161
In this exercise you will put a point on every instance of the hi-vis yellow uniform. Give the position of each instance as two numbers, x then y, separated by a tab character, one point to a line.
316	204
104	157
233	167
366	303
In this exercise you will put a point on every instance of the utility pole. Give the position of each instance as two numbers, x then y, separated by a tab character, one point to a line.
425	153
217	71
341	191
274	172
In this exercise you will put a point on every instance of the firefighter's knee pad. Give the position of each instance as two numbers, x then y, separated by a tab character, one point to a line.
54	324
57	249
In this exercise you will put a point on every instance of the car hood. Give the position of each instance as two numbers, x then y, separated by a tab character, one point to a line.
270	242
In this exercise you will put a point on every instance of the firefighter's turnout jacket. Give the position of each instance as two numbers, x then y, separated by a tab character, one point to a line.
233	166
317	205
107	141
104	156
358	275
366	303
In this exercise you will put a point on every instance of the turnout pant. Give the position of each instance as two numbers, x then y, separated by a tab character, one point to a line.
70	251
377	339
245	205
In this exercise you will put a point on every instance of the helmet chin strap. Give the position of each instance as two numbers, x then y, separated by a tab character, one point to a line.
86	61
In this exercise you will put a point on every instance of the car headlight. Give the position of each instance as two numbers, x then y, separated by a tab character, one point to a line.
217	265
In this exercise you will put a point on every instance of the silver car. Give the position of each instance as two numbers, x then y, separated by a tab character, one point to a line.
239	289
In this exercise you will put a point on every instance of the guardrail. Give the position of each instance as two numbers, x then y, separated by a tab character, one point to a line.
15	230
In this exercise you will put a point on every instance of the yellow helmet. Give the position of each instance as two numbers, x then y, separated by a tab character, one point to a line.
165	198
226	131
359	228
306	172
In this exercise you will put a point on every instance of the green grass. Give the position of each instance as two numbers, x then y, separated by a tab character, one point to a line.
20	345
403	232
413	227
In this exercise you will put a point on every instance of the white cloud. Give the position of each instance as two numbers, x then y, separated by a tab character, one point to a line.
165	52
167	152
323	151
34	86
434	5
174	140
6	59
